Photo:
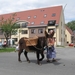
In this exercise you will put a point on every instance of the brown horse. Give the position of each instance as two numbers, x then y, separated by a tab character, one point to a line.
39	48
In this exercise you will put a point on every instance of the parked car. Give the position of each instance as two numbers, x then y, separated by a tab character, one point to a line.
4	44
71	44
0	43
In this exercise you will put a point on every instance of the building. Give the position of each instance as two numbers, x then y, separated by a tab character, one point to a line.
70	36
35	22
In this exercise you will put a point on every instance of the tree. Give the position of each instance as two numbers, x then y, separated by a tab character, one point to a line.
71	25
8	26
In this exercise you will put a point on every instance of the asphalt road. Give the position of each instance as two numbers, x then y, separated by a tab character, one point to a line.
65	65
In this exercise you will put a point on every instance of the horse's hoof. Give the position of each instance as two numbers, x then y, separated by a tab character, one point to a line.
40	64
19	60
28	61
49	61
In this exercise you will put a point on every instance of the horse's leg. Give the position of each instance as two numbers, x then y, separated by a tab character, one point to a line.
19	54
42	55
38	61
25	53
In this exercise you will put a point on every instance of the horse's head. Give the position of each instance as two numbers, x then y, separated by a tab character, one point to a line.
41	42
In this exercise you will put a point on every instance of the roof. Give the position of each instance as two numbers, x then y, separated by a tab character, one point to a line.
69	30
38	16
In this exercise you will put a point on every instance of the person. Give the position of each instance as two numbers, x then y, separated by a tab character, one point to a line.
51	54
17	48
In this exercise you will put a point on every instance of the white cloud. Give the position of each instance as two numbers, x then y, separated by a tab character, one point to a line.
8	6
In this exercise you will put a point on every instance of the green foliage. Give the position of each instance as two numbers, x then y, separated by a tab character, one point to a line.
7	49
71	25
8	26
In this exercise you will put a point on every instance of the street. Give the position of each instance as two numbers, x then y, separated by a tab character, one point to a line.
9	64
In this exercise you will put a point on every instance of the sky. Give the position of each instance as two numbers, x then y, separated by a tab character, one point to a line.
9	6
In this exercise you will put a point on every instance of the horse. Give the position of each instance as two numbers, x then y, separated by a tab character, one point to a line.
38	49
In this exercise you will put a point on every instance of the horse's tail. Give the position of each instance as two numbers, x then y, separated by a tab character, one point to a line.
22	43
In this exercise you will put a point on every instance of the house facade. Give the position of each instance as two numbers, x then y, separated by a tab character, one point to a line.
35	22
69	35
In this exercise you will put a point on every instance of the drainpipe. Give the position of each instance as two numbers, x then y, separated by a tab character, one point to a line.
56	25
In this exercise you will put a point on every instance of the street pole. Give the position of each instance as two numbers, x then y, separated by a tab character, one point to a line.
65	6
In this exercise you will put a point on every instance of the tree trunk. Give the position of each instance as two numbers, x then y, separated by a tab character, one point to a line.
7	42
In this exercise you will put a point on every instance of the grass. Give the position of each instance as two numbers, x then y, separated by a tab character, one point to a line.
59	46
7	49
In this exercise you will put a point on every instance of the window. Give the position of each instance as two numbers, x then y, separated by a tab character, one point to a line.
42	22
14	32
54	14
24	31
34	16
61	23
42	10
17	25
45	15
61	39
64	39
32	22
28	17
51	22
61	31
24	25
15	39
40	30
18	19
64	31
32	31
